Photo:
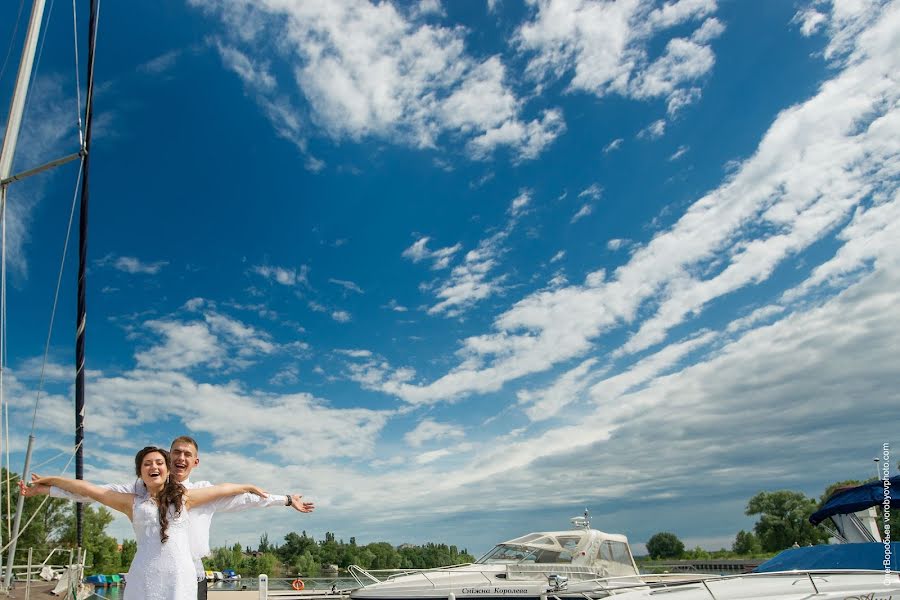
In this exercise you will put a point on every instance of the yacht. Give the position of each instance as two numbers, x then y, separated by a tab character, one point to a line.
858	564
561	563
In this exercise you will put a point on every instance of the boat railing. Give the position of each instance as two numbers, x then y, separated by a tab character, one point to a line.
364	577
56	569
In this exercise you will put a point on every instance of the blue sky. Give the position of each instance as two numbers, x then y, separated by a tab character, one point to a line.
458	270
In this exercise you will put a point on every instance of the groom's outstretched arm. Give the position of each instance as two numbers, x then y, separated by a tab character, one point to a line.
247	501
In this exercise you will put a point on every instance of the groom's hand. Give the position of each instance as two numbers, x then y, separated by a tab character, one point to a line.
299	505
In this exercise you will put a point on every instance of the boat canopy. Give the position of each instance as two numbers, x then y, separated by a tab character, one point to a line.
854	499
830	557
578	548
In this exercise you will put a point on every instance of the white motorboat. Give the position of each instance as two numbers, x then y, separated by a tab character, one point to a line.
858	565
526	567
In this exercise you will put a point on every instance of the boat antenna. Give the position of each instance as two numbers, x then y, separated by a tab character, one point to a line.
583	522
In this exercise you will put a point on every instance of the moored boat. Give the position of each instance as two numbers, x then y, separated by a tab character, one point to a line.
527	567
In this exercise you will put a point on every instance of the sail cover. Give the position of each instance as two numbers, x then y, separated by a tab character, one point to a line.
854	499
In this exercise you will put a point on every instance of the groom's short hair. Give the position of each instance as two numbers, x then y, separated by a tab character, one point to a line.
188	440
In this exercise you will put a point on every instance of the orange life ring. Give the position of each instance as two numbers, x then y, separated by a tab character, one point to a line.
297	584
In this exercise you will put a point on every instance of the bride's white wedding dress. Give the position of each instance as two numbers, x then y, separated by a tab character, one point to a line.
160	571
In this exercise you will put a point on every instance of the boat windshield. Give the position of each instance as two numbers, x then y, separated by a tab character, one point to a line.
513	554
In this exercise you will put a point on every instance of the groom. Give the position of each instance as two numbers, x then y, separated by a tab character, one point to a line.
185	455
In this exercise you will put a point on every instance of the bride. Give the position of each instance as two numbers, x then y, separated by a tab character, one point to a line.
162	568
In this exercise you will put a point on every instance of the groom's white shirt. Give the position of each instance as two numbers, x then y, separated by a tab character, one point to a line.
200	517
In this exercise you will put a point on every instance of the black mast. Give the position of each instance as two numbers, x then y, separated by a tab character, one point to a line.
81	319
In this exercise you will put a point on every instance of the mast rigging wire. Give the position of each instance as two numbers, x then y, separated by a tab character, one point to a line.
37	62
39	508
12	39
62	265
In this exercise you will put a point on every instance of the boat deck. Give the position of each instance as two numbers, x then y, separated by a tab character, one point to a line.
39	589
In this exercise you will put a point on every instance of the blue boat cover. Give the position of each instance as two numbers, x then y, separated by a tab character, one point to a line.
854	499
869	555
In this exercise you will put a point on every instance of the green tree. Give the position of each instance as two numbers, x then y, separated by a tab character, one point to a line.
126	555
306	565
266	563
784	520
102	549
43	533
665	545
746	543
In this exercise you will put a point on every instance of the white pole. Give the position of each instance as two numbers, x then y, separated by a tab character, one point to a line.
263	587
7	153
17	107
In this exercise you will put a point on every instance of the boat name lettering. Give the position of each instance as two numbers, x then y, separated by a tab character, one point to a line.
502	591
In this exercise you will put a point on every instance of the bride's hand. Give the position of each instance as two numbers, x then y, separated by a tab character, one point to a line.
37	480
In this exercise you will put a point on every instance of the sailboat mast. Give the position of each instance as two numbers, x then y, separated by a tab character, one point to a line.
10	139
81	317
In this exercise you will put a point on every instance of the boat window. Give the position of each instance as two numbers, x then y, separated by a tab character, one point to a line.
526	538
615	552
506	553
509	554
569	545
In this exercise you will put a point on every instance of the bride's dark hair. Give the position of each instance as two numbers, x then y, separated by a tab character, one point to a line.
172	493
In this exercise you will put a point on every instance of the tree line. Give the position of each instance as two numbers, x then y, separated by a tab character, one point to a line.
783	520
302	555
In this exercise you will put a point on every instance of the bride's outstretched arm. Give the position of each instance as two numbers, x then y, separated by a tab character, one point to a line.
204	495
115	500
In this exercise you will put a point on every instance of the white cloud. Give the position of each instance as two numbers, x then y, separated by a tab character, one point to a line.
130	264
810	21
282	275
347	285
547	402
584	211
593	192
367	70
216	341
819	163
472	281
355	353
395	306
605	45
613	145
558	256
682	150
289	375
160	64
185	345
760	314
710	30
616	243
654	130
429	430
341	316
441	257
278	108
680	99
520	203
